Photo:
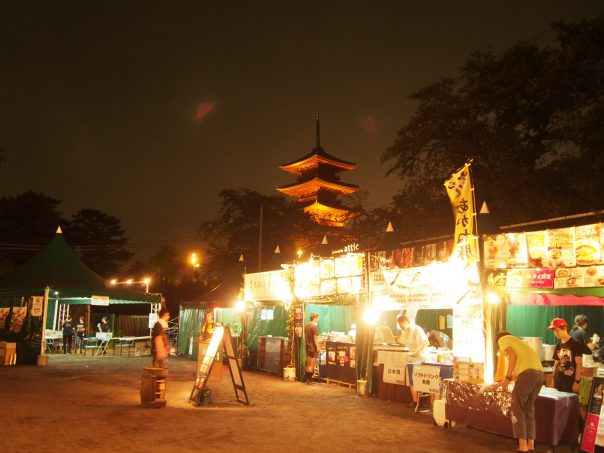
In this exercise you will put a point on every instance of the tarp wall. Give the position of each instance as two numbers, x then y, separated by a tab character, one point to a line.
532	321
189	326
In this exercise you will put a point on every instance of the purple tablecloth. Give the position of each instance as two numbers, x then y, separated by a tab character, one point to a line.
557	413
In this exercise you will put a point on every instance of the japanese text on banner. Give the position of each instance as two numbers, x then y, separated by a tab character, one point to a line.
459	189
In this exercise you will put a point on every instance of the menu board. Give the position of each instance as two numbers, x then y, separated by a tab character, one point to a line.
537	249
517	250
567	257
560	248
18	318
496	251
588	249
3	315
593	432
327	269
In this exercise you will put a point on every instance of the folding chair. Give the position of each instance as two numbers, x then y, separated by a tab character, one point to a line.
125	342
91	343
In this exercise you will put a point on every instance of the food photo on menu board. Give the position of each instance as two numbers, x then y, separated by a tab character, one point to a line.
560	248
18	318
537	249
3	315
587	244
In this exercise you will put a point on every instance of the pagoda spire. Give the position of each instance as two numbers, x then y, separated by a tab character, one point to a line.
318	186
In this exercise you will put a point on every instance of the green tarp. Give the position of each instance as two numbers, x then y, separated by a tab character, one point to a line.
189	326
532	321
59	268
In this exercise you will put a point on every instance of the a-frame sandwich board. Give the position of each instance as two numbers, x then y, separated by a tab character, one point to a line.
220	337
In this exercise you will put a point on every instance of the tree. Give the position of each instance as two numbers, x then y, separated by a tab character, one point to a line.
99	240
530	117
235	231
165	265
27	222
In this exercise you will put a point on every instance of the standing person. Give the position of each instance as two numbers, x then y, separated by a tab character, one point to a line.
311	335
160	347
80	335
567	358
412	336
103	326
204	337
207	328
67	328
579	333
523	365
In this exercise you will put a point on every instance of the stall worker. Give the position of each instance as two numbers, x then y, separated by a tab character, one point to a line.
412	336
204	337
103	326
207	328
525	367
567	358
579	333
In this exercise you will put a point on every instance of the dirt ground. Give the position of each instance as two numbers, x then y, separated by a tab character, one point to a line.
90	404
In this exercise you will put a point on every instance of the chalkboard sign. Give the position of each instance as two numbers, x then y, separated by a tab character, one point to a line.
221	338
592	440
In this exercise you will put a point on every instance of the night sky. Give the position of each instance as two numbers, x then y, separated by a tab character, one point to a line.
146	110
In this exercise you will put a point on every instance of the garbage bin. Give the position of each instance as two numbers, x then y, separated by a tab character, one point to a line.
153	387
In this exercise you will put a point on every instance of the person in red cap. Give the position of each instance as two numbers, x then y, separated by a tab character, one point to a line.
567	358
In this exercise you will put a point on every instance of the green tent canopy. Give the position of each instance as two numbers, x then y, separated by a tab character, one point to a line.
59	268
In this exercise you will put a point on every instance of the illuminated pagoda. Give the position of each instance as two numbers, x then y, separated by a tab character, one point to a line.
319	186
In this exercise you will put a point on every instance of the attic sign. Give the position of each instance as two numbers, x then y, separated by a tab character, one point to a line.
350	248
99	300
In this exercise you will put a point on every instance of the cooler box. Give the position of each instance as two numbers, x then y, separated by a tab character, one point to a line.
438	412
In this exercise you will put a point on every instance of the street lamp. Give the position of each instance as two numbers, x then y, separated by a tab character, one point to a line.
146	281
194	260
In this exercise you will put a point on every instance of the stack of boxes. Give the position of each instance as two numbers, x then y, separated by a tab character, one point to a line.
467	371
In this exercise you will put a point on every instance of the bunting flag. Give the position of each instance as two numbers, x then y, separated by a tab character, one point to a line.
460	191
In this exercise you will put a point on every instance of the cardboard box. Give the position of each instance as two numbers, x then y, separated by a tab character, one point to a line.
8	352
466	371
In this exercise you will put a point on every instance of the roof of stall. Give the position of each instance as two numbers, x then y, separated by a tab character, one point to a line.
59	268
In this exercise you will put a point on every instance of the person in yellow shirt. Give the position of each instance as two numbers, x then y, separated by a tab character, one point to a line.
524	366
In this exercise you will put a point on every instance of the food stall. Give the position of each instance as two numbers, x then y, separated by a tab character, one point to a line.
538	276
333	288
438	293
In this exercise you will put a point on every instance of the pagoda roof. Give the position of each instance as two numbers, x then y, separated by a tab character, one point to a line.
312	186
328	215
313	159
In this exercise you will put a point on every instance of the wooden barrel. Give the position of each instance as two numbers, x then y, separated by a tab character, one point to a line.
153	387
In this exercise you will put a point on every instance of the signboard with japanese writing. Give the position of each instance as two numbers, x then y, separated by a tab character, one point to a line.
468	340
426	378
459	188
530	278
37	302
99	300
394	374
272	285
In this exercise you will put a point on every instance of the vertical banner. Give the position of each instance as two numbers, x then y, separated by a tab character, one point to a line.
459	189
